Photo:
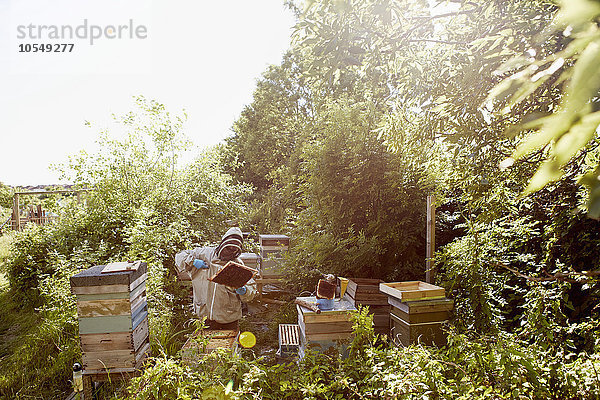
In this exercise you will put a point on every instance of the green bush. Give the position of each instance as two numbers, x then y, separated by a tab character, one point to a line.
38	362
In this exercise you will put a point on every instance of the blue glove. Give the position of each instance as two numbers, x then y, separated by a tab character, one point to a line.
200	264
241	290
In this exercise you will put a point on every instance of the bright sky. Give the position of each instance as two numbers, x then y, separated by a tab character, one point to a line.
204	56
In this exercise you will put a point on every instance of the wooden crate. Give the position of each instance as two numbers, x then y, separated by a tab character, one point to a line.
419	321
109	359
412	290
207	341
365	291
289	340
362	285
417	318
270	264
326	331
113	319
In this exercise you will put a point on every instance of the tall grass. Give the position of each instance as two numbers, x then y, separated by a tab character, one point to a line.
5	242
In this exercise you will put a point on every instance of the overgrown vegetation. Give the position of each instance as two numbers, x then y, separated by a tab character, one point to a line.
470	367
376	105
143	206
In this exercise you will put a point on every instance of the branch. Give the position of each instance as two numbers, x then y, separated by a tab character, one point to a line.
435	41
559	276
450	14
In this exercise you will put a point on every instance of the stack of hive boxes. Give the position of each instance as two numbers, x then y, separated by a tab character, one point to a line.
113	317
272	248
327	328
365	292
418	311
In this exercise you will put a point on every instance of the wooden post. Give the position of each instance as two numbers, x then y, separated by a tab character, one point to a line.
430	251
78	193
88	388
16	214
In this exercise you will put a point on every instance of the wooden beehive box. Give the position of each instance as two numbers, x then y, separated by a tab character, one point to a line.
365	289
412	290
427	333
207	341
274	242
326	326
252	260
365	292
113	318
418	311
272	248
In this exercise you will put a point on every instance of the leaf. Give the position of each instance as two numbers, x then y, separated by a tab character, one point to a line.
555	66
577	11
592	181
511	64
577	137
532	121
503	90
586	79
546	173
554	127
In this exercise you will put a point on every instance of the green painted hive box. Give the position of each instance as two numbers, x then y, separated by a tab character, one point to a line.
419	321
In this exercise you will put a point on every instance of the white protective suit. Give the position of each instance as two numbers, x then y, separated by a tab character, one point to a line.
211	300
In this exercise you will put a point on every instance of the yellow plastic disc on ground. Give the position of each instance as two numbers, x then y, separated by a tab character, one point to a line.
247	339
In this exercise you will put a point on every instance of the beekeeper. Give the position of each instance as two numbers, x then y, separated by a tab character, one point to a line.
220	304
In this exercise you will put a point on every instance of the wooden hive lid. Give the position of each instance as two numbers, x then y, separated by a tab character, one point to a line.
274	240
94	277
366	281
273	237
249	257
412	290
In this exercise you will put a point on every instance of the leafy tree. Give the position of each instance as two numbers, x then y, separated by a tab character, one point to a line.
267	131
5	196
364	207
438	70
571	127
143	206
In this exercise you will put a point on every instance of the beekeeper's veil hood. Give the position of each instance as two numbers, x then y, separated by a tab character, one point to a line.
232	241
